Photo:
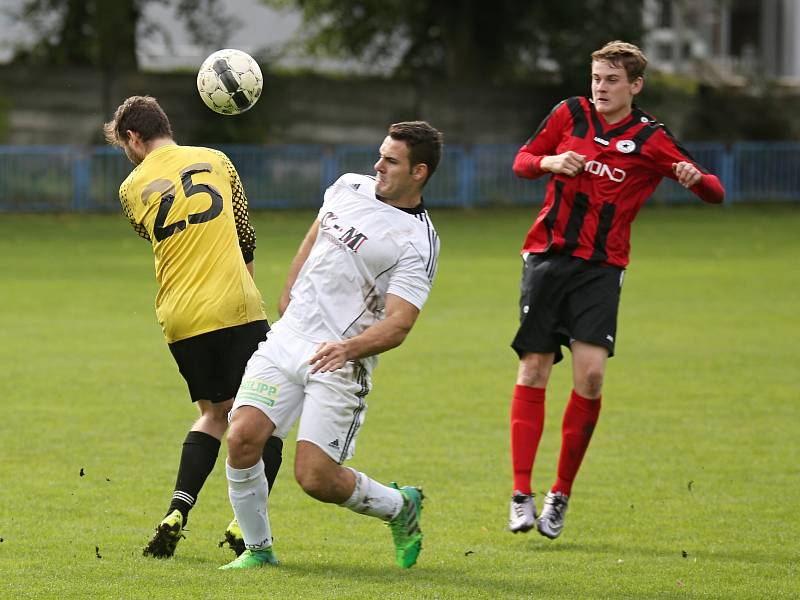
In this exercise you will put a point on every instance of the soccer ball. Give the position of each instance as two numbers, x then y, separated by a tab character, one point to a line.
229	81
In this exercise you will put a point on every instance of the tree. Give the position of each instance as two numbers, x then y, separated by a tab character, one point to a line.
571	30
103	33
467	40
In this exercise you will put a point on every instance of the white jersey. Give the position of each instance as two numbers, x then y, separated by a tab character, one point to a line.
364	249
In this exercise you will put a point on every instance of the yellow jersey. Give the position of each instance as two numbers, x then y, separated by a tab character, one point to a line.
190	204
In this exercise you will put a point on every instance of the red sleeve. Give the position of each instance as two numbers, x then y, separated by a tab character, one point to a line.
666	151
542	143
709	189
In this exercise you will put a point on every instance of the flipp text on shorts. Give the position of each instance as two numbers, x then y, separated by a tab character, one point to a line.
258	391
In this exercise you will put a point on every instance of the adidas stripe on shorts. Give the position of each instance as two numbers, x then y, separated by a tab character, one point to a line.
330	406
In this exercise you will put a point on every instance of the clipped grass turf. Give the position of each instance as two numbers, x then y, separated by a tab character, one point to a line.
690	488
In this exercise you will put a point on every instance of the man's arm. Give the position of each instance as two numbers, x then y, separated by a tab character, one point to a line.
705	186
673	161
383	335
538	156
297	263
244	231
531	166
241	217
127	210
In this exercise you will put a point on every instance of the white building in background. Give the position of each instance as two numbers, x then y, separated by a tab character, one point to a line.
725	40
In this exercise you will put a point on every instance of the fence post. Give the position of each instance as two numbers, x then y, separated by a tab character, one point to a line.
330	167
81	177
466	177
728	174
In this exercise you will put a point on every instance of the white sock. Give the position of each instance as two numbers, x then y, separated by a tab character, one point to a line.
374	499
247	490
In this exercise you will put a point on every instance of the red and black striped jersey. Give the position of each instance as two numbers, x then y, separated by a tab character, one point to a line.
590	215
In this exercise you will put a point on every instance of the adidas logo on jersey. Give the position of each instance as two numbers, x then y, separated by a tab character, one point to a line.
334	444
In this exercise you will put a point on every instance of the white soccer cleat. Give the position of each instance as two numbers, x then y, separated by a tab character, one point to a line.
551	521
521	513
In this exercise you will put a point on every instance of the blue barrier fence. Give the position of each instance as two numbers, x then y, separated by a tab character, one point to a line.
70	179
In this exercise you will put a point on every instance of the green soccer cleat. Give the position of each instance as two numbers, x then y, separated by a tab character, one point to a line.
406	533
168	533
234	538
252	559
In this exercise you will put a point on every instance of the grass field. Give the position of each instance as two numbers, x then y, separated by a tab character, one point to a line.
690	490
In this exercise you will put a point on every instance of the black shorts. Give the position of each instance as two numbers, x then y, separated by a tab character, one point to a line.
213	363
564	298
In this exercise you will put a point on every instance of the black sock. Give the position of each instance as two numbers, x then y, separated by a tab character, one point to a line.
199	454
272	455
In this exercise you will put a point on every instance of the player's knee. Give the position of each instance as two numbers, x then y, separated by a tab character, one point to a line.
236	441
592	383
241	444
215	415
218	418
534	370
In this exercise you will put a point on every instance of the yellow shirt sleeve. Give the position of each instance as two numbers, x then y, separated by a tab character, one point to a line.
244	231
127	209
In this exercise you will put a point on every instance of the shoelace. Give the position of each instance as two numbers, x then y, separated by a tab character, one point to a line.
519	509
557	504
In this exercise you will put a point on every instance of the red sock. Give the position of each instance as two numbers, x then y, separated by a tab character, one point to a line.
527	422
580	417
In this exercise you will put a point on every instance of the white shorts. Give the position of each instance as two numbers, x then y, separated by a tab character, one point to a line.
330	406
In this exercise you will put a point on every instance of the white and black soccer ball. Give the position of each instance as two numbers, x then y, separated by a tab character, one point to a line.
229	81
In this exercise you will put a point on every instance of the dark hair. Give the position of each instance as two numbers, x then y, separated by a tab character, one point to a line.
424	143
141	114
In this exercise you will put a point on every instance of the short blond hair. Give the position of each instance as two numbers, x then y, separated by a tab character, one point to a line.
623	54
